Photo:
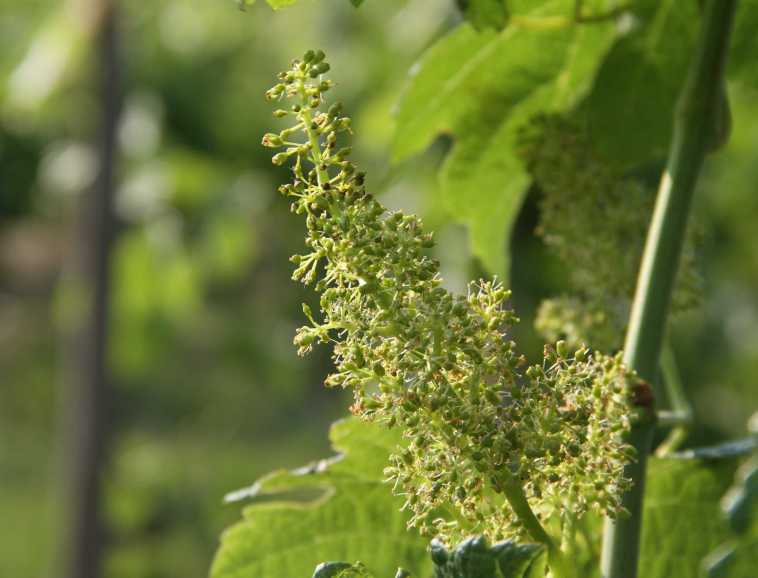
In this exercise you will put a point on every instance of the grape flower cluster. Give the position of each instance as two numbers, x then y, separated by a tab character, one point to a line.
594	218
476	419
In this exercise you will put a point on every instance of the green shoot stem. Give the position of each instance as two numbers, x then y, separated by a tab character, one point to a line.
560	566
517	499
694	131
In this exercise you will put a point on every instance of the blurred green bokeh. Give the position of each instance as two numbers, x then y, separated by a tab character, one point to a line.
209	391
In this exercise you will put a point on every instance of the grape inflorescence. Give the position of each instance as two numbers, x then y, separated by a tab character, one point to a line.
442	367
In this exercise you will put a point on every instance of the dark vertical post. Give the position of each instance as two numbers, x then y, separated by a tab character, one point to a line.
86	379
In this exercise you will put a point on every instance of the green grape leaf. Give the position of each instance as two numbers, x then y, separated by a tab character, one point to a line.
346	570
631	107
741	502
336	509
275	4
738	557
484	14
481	88
682	521
473	558
729	449
742	66
341	570
734	560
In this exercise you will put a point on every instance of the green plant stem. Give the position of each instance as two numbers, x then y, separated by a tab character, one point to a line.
315	146
680	405
560	567
517	499
694	132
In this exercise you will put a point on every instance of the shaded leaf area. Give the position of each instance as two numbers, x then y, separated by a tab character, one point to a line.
337	509
276	4
472	558
741	65
630	109
738	557
344	570
483	14
481	88
730	449
682	519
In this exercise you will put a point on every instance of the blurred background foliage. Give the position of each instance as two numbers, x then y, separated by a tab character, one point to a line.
209	393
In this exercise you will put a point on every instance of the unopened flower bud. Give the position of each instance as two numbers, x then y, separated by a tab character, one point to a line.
272	140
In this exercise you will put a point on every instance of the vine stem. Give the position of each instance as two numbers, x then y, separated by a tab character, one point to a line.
312	138
695	123
560	566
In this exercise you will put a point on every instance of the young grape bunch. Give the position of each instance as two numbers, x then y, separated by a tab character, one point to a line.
487	438
585	196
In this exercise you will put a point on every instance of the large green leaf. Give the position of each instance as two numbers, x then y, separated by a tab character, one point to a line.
682	521
630	109
337	509
481	88
485	14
